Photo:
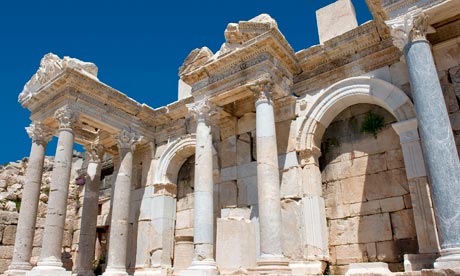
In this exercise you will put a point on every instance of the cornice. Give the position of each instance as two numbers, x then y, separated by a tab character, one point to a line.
271	42
349	43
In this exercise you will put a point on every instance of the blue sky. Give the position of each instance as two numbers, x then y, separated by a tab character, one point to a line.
137	45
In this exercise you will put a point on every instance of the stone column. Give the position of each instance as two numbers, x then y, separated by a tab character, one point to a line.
203	231
118	243
50	259
23	244
438	143
268	182
86	246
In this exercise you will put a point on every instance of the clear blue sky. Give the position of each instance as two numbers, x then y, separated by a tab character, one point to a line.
137	45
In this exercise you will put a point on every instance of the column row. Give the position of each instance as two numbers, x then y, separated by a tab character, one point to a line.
50	259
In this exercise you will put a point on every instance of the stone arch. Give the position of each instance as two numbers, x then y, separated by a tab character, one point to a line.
172	159
345	93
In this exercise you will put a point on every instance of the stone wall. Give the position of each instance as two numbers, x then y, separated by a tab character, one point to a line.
368	205
12	176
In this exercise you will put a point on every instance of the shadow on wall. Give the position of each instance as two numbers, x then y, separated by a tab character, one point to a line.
368	206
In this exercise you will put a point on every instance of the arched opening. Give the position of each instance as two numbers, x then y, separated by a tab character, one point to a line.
365	188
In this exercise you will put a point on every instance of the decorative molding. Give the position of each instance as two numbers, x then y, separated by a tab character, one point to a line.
127	139
66	117
50	67
410	27
39	133
345	93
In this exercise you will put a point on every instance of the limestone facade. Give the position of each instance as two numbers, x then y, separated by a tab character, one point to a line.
270	162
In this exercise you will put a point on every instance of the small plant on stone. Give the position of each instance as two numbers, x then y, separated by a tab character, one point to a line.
372	124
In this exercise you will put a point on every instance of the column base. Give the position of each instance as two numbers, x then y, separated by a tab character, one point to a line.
368	269
115	272
159	271
307	267
18	268
270	264
201	268
417	262
84	273
48	271
450	259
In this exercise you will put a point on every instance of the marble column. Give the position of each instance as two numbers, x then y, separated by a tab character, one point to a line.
268	182
86	246
203	231
50	258
441	157
23	244
119	224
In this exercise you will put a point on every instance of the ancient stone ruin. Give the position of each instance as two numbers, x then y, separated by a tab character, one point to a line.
338	159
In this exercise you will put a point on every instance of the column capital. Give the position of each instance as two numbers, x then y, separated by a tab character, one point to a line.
262	88
95	152
309	156
39	133
127	139
202	109
410	27
66	117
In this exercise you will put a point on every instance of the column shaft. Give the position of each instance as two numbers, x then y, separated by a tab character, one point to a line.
120	214
30	198
119	224
57	202
438	143
268	181
86	246
204	191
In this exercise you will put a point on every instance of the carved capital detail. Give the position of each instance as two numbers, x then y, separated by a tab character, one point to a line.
66	117
410	27
127	139
39	133
95	152
202	109
262	88
309	156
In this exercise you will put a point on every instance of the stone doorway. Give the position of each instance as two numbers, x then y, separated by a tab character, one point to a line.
183	230
368	206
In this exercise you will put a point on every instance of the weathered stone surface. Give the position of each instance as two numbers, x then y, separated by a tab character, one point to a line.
291	183
291	215
403	224
360	229
235	245
9	235
228	152
228	194
247	191
335	19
